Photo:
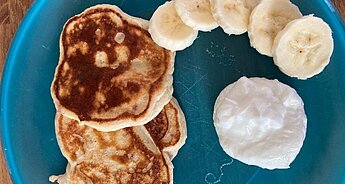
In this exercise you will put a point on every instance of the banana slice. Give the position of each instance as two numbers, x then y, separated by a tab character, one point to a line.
303	48
168	30
266	20
233	15
196	14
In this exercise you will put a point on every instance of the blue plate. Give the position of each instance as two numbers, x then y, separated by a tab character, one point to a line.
202	71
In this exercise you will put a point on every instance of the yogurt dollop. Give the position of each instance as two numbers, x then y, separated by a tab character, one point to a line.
260	122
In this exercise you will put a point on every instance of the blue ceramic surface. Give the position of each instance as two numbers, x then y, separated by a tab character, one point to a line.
201	72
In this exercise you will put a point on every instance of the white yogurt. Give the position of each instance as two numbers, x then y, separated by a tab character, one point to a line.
260	122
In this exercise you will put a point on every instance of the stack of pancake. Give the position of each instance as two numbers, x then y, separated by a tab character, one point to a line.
116	120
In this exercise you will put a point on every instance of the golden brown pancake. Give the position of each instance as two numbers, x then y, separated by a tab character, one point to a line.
111	74
140	154
168	129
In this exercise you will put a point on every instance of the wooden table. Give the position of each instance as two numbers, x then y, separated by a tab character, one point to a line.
11	13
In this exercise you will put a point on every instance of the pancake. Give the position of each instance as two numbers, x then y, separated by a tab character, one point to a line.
140	154
168	130
111	74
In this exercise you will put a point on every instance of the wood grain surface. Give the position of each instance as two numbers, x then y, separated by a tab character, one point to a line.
11	13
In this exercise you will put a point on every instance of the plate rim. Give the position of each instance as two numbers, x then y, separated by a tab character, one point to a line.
10	59
30	16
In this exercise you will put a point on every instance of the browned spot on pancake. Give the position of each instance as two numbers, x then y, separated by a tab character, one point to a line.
72	137
133	87
113	96
173	117
92	35
158	127
123	159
